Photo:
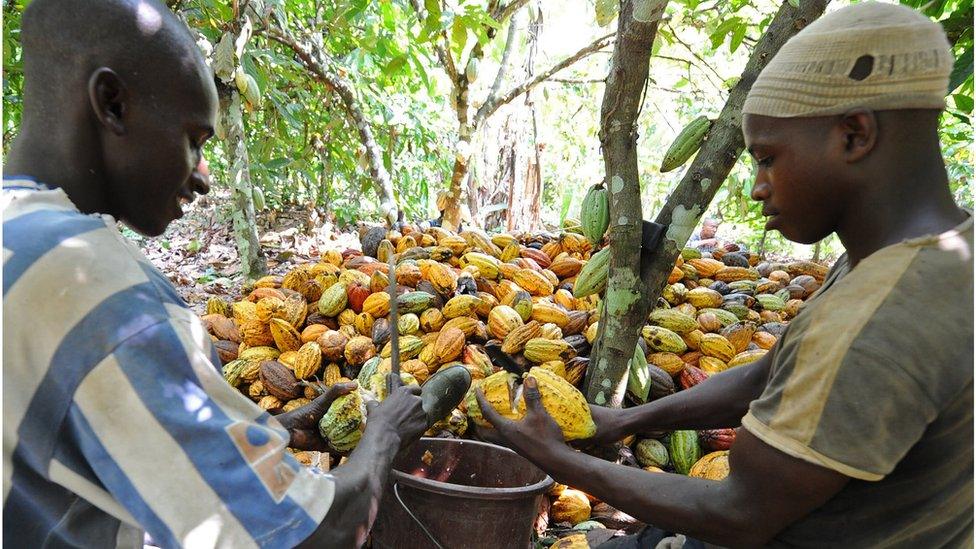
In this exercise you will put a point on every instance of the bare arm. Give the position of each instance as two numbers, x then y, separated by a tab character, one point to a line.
764	493
766	490
359	484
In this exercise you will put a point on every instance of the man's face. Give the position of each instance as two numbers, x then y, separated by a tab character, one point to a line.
158	163
793	176
709	228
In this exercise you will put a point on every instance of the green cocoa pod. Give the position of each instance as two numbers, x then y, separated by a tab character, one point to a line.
592	279
595	214
686	144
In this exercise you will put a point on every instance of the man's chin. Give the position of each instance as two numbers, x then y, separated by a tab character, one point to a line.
147	228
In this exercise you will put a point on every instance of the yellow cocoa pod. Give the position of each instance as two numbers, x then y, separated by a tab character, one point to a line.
364	323
502	320
270	281
417	368
216	305
711	365
713	466
431	320
259	353
704	298
693	339
256	390
377	305
746	357
565	403
571	506
516	339
461	305
296	277
551	331
533	282
270	402
313	332
332	374
442	277
288	359
486	264
510	252
450	342
498	389
486	304
255	333
244	311
295	404
669	362
308	361
540	350
714	345
591	332
466	324
544	312
347	318
734	274
566	266
285	336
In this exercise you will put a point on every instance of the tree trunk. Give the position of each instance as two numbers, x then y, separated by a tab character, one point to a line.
622	316
606	378
762	244
816	252
253	263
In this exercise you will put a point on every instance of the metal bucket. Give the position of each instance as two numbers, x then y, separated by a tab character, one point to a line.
462	494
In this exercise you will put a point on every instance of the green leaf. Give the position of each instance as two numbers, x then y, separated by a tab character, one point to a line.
963	103
459	35
738	35
794	3
395	64
962	69
567	202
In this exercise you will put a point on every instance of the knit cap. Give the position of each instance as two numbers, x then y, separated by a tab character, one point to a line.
903	61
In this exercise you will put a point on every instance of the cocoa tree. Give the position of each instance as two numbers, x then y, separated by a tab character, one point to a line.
226	65
462	76
318	64
633	287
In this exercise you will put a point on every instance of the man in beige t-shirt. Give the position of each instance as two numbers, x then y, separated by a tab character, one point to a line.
857	427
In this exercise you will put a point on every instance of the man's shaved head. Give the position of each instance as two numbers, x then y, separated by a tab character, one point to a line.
119	97
141	40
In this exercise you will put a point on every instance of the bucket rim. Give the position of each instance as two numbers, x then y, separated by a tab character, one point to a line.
475	492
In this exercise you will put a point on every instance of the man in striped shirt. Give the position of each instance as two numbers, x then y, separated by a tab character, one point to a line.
116	417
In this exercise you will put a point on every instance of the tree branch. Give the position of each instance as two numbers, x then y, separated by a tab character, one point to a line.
314	60
506	54
441	46
693	52
502	13
489	107
578	80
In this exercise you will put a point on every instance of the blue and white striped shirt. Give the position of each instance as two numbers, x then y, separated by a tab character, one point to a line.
116	418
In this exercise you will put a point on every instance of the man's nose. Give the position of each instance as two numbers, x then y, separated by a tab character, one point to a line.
201	177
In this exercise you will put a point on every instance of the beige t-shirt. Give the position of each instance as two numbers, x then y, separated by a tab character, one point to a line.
874	379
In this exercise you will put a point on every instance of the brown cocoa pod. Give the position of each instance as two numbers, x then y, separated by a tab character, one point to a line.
227	350
279	381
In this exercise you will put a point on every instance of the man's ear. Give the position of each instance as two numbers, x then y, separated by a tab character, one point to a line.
109	99
859	129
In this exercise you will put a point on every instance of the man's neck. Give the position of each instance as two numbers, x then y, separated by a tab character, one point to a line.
54	163
879	218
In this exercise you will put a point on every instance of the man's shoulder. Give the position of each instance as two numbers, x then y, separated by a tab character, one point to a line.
53	251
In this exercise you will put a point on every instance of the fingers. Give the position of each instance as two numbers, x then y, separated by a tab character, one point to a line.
393	381
487	411
531	395
338	389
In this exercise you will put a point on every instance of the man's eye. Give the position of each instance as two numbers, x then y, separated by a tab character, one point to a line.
764	162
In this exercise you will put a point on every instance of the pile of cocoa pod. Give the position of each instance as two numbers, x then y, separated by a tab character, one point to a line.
287	337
